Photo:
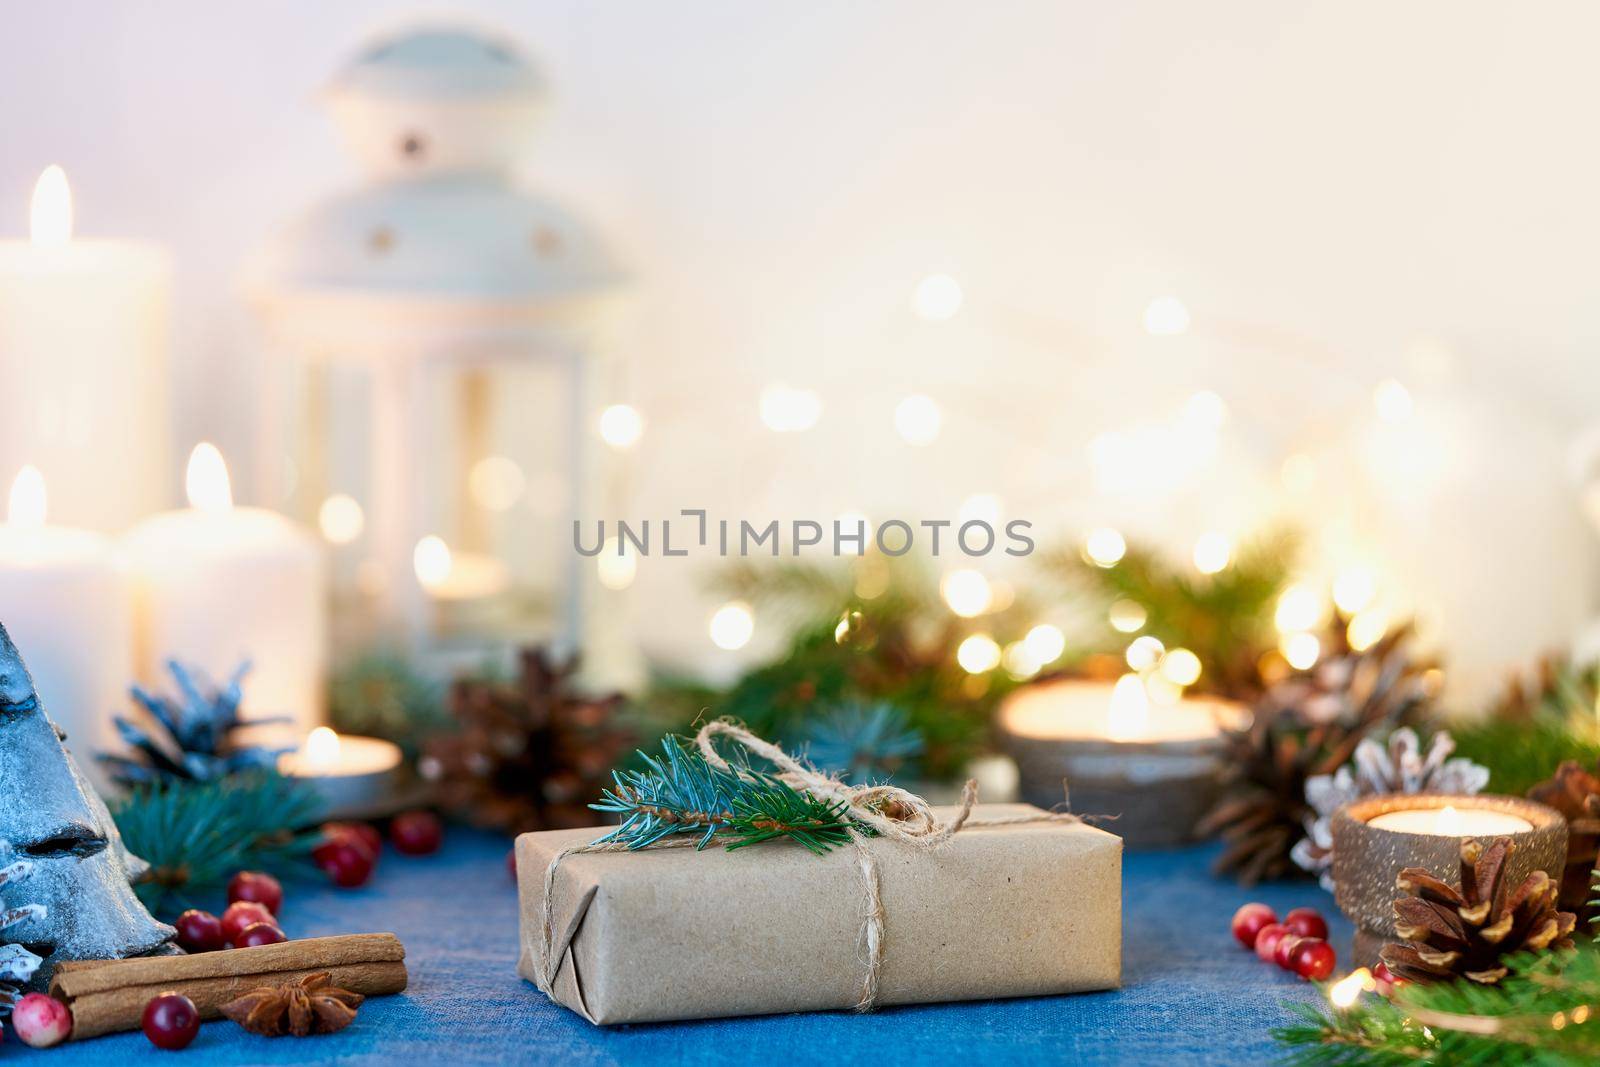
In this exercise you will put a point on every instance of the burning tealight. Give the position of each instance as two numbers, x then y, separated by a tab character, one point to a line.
1376	838
1149	757
355	776
1450	821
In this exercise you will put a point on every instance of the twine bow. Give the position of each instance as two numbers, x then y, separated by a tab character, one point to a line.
889	811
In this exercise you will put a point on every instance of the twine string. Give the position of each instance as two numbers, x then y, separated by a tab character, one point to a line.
889	811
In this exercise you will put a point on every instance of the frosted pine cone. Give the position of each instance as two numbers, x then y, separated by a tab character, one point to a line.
1398	767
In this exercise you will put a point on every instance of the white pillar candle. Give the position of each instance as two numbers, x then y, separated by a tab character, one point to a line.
1450	821
65	604
215	584
83	354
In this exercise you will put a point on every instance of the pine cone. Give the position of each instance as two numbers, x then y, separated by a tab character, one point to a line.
1395	767
527	755
1465	933
1575	793
194	736
1308	725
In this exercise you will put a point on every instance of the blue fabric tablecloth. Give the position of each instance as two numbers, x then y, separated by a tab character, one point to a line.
1191	994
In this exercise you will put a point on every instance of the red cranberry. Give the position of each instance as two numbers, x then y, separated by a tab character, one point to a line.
259	887
41	1021
257	934
361	831
242	913
345	860
1312	958
170	1021
1267	939
1248	921
416	833
1283	951
511	865
1306	922
200	931
1386	981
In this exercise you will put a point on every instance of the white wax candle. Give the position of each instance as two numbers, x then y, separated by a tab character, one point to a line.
1084	710
65	604
215	584
1450	821
354	775
83	354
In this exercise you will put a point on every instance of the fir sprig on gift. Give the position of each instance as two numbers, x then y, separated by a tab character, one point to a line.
868	630
197	835
1547	1011
681	792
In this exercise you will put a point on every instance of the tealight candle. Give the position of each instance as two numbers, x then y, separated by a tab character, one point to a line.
63	599
215	584
356	777
1450	821
1376	838
1153	765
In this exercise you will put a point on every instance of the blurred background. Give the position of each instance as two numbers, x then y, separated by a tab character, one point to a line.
1358	234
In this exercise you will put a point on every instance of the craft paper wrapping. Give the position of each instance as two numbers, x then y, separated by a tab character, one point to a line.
1019	910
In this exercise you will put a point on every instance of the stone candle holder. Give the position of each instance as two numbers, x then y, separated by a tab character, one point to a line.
1156	787
1368	859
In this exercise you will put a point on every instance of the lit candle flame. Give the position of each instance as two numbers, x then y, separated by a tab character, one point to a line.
50	213
1450	823
432	561
1344	992
27	504
322	747
207	479
1129	715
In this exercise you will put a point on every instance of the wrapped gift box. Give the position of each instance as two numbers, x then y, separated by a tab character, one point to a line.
1025	909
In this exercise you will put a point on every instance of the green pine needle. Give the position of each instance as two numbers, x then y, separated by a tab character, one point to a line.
197	835
1541	989
680	792
1226	618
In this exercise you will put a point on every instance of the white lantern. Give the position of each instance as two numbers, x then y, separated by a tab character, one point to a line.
444	332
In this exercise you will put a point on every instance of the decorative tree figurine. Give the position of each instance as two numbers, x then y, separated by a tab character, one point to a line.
17	963
194	735
56	823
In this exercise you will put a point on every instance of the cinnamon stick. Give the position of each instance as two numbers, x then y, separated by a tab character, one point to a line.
106	996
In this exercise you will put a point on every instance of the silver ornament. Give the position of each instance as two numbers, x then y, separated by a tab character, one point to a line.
78	871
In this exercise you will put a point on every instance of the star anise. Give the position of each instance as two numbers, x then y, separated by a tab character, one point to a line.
309	1005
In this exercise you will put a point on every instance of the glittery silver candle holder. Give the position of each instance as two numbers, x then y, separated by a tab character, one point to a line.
1367	859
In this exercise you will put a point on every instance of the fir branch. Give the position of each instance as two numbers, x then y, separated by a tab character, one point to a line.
1225	618
681	792
1546	1012
859	742
196	835
867	630
1533	728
